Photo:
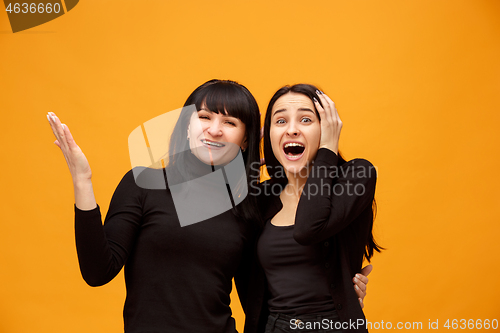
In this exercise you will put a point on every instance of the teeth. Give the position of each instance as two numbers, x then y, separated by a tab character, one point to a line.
293	144
211	143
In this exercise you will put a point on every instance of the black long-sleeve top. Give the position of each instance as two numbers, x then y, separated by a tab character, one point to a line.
178	279
339	222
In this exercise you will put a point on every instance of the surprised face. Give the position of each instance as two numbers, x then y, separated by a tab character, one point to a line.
295	132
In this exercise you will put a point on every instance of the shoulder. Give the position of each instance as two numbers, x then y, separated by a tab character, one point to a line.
146	178
360	167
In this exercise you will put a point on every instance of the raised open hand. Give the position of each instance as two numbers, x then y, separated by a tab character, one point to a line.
77	162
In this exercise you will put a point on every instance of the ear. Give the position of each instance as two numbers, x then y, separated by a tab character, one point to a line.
244	143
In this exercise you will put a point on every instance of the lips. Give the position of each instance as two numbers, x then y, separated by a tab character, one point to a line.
293	150
212	144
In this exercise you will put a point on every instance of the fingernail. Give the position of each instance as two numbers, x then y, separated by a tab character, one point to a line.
48	118
355	280
315	100
358	276
318	92
63	126
355	286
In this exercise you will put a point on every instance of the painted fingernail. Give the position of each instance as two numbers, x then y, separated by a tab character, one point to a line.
53	118
355	286
356	280
318	92
358	276
48	118
315	100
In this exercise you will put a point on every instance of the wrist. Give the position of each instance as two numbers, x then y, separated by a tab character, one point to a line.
82	182
334	148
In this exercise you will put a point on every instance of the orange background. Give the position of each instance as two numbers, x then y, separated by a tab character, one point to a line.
416	83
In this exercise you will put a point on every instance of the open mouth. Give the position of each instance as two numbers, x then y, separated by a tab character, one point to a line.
212	144
293	150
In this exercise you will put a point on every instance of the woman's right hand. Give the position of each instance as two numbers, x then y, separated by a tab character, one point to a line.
77	162
331	125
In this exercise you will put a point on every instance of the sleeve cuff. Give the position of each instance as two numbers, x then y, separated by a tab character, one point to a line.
326	157
90	212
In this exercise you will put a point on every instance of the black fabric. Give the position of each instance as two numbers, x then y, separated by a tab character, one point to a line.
340	224
178	279
294	272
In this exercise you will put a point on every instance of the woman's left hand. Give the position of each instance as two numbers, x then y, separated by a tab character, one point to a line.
330	123
360	281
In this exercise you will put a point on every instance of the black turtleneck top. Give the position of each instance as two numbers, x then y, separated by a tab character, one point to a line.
178	279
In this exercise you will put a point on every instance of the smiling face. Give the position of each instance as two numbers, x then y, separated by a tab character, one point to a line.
215	138
295	132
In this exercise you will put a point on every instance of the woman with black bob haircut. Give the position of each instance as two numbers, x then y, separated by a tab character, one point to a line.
318	210
178	278
232	99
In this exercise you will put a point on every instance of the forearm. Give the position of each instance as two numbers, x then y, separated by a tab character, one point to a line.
84	194
97	263
326	207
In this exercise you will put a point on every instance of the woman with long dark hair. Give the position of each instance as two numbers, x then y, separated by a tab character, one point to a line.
318	216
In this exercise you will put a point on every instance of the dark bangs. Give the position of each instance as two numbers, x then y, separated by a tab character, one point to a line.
227	98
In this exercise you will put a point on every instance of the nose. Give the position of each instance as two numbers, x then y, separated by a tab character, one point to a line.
214	128
292	129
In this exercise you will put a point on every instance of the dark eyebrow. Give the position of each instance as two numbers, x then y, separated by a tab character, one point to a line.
278	111
306	109
223	115
300	109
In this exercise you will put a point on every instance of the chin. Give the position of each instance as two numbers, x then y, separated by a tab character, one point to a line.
216	157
